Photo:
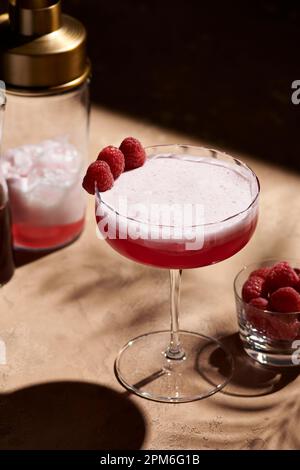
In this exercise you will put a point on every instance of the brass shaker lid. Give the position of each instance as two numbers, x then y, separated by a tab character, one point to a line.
41	50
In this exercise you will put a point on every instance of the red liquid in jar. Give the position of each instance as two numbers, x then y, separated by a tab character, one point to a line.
46	197
45	237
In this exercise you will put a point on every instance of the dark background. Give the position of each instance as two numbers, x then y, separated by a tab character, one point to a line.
221	71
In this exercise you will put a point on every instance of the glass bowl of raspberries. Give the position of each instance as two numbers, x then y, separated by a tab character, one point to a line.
268	305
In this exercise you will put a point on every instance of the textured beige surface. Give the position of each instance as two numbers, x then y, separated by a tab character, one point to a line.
65	316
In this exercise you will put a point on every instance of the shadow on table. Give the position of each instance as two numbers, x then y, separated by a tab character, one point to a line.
23	257
253	411
251	379
69	416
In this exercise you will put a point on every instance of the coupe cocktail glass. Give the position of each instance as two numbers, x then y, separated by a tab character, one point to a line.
174	365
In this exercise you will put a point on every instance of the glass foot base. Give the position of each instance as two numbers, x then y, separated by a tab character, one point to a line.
143	368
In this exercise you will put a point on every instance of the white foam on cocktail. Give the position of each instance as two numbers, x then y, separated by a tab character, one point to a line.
222	190
44	182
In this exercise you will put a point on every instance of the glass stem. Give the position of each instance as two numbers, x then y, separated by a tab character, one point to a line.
175	350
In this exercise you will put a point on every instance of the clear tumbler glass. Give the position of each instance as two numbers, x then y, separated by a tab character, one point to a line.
269	337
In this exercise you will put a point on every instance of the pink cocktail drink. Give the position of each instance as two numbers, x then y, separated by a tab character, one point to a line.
172	257
220	191
186	207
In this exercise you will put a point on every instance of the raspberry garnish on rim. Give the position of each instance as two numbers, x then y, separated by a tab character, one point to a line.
111	163
98	173
114	158
134	153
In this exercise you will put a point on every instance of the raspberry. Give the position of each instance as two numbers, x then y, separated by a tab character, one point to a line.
260	303
273	326
114	158
134	153
285	300
261	272
257	319
253	287
99	173
280	327
297	286
281	275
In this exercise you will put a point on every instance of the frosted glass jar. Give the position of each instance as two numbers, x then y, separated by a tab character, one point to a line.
43	159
